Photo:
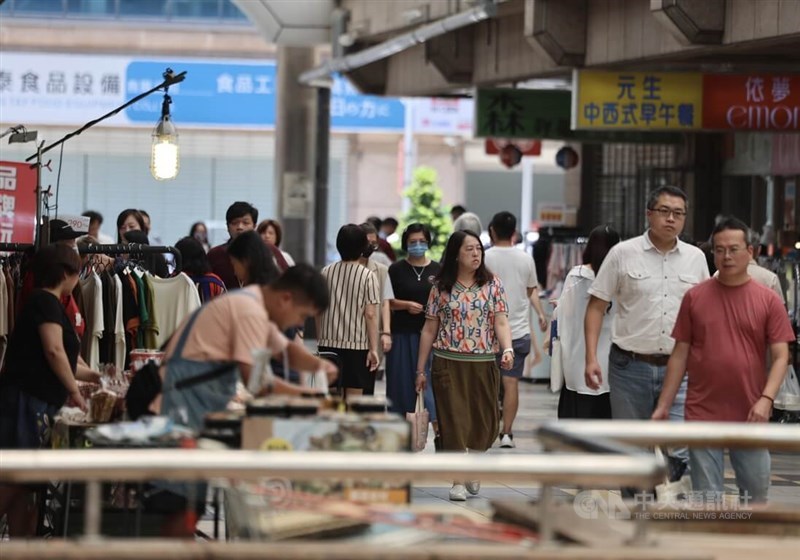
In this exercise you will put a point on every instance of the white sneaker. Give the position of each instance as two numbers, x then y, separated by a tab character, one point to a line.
507	441
458	493
473	487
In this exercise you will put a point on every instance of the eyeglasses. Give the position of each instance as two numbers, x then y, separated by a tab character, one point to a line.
665	212
722	251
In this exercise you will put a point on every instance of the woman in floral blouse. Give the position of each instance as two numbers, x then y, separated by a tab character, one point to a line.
466	326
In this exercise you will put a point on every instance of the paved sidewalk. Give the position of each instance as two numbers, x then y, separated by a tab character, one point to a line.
538	404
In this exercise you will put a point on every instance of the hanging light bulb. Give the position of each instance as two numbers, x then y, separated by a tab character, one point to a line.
164	158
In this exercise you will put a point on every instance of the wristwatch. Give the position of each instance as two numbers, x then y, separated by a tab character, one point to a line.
508	351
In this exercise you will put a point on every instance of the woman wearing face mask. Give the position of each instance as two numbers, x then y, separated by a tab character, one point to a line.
412	280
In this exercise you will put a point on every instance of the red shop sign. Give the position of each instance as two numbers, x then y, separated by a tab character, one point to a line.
751	102
17	202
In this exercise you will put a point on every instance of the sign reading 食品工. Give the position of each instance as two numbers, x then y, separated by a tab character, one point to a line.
637	100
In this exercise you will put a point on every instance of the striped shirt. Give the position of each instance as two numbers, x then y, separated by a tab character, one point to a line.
352	287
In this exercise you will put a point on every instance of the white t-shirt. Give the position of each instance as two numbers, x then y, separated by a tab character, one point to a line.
569	313
517	272
648	287
176	298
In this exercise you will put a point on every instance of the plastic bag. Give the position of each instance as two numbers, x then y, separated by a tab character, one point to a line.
789	393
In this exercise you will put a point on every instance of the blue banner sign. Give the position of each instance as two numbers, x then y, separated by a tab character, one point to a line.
244	95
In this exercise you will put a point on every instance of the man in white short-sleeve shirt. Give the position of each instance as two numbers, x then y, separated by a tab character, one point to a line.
646	277
517	271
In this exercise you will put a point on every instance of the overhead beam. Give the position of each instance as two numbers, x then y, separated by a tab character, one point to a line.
559	28
690	21
453	55
371	78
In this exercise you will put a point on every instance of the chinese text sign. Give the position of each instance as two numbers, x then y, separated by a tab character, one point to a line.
17	202
751	102
637	100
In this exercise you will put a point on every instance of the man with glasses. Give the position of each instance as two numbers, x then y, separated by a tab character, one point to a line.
646	278
723	331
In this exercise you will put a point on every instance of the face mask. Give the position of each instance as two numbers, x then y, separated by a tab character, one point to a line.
382	234
369	250
418	250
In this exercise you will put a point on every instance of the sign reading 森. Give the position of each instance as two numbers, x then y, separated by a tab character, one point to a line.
751	102
17	202
637	100
522	113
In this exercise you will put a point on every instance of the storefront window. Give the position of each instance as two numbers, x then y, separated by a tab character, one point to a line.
91	7
147	8
39	6
195	9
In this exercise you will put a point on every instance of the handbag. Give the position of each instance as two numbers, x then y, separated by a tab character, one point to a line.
556	364
419	425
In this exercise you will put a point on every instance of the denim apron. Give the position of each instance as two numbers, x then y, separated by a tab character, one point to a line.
189	405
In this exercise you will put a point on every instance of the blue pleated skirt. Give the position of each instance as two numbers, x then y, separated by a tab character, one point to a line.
401	367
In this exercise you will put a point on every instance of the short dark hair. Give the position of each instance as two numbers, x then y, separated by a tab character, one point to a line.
601	239
375	221
124	216
52	263
262	227
449	274
193	256
669	190
351	241
457	210
240	209
369	228
504	225
93	216
731	223
250	249
305	283
416	227
390	222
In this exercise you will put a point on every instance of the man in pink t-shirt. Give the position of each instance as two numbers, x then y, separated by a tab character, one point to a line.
723	331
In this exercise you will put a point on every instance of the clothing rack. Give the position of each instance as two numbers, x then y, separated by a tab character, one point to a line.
15	247
133	249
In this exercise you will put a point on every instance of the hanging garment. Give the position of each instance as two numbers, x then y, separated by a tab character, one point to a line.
92	292
151	326
176	299
120	348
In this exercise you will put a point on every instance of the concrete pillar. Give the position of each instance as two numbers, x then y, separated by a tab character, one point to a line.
294	137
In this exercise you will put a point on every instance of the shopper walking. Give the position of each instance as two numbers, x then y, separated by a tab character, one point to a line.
466	325
577	399
349	327
516	270
722	333
412	279
646	277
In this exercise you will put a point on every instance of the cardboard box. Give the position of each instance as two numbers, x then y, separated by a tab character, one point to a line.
342	432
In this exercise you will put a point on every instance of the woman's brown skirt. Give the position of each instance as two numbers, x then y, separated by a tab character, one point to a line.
466	403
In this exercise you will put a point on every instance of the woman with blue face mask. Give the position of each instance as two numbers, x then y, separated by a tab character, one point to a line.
412	280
